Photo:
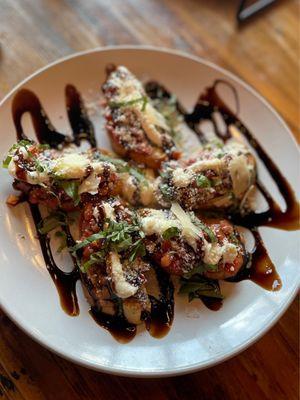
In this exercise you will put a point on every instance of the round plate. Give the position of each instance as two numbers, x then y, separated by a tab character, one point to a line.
199	338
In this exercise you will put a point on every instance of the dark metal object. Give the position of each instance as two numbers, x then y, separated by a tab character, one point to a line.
245	12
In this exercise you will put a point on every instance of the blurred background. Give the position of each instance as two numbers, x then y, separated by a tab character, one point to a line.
264	51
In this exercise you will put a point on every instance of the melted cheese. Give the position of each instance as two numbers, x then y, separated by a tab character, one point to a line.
156	222
128	186
147	194
12	168
240	175
215	164
182	177
90	184
36	177
123	289
150	120
71	166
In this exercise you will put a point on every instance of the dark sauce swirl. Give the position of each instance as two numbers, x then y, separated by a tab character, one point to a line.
262	270
162	310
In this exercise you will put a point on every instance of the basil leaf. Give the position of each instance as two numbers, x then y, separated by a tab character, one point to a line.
6	161
39	167
143	99
71	189
166	191
94	259
20	143
63	240
116	235
200	269
171	232
138	175
51	222
123	166
204	227
88	240
203	182
199	286
138	249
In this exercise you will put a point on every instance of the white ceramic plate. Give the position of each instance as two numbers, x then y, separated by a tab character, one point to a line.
199	338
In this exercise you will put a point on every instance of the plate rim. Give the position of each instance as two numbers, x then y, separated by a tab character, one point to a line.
138	373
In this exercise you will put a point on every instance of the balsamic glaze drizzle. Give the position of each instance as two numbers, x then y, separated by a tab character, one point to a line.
162	310
208	103
26	101
81	125
64	282
262	270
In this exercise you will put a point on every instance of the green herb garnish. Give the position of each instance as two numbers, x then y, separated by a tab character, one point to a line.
21	143
171	232
6	161
233	238
138	249
117	235
95	258
123	166
39	167
199	286
166	191
204	227
63	240
200	269
52	221
168	108
71	189
203	182
142	99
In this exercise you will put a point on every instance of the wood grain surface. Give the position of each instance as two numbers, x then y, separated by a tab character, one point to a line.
265	52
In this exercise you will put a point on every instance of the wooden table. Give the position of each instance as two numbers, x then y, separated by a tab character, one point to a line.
265	52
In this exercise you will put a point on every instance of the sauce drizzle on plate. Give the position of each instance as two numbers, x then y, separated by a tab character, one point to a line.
261	271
